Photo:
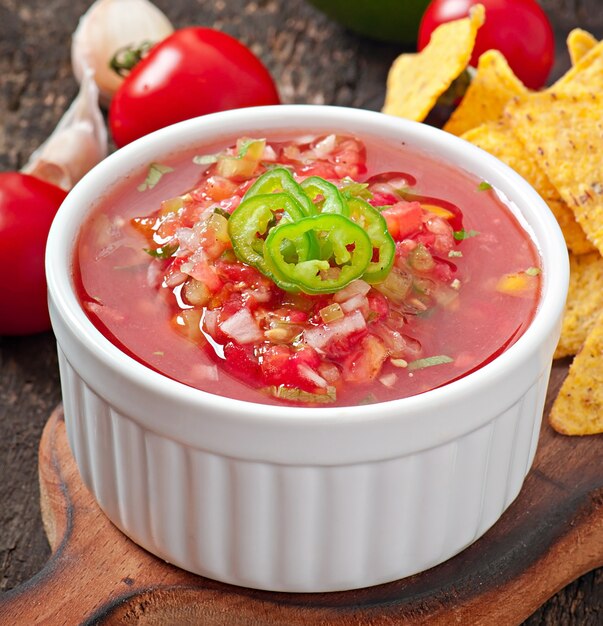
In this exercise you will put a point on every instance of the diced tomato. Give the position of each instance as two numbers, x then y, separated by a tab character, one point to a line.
378	305
206	274
341	346
219	188
145	226
238	273
241	361
291	316
443	235
365	363
380	199
280	366
350	158
274	361
403	219
231	304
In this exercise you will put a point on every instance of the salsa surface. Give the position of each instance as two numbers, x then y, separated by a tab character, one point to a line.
156	272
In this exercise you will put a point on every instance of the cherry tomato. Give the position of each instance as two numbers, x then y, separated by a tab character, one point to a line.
27	208
193	72
520	29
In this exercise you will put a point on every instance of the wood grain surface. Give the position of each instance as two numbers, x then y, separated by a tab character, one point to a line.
551	534
313	60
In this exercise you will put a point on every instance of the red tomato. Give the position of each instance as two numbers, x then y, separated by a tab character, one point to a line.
27	208
193	72
520	29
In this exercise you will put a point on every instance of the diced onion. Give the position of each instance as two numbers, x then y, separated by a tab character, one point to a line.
205	372
329	371
210	321
242	327
357	303
269	154
188	239
305	371
356	287
173	279
318	337
325	146
389	380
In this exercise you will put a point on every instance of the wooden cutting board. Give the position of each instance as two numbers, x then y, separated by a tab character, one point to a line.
551	534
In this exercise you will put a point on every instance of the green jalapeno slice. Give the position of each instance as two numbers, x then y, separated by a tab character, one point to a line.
332	200
280	180
383	245
350	245
254	217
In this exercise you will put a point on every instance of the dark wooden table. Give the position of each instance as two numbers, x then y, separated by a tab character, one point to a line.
313	61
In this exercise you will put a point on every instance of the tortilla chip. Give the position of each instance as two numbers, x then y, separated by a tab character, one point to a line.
585	76
579	43
564	134
584	302
573	234
493	85
416	81
498	139
578	409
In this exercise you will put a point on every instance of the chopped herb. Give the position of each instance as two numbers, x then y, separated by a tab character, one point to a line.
459	235
222	212
368	399
299	395
399	362
205	159
484	186
154	174
454	253
429	362
163	252
533	271
352	189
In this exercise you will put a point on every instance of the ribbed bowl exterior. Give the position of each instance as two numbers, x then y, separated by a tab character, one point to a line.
299	528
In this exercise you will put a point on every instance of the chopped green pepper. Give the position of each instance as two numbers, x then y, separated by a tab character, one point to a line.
254	217
350	245
371	221
332	202
280	180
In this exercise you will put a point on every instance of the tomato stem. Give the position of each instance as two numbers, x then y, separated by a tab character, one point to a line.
124	60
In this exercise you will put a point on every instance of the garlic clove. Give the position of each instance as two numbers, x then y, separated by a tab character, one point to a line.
109	26
78	142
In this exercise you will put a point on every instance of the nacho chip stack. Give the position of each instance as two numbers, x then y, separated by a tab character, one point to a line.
554	139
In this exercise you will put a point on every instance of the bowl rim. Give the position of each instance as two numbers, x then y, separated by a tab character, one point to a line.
536	217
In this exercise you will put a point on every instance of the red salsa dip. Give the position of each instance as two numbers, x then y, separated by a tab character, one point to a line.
314	271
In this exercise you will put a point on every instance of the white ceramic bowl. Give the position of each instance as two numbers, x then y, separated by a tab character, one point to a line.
302	499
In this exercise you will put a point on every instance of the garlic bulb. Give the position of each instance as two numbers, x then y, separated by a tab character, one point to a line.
78	142
109	26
